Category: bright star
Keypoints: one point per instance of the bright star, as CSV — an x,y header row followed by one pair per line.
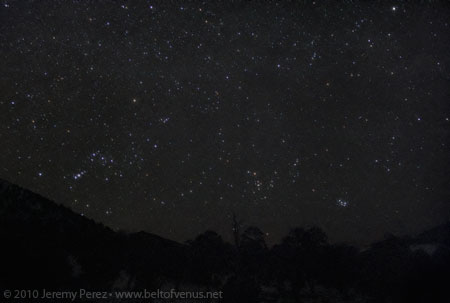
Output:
x,y
342,202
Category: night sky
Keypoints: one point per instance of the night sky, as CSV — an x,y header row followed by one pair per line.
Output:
x,y
168,116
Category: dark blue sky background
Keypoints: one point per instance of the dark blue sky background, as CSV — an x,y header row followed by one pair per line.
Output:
x,y
166,117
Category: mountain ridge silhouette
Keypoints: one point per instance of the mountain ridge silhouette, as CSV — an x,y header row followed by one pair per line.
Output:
x,y
40,235
47,245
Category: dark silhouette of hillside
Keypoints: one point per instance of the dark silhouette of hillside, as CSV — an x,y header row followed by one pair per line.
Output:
x,y
45,245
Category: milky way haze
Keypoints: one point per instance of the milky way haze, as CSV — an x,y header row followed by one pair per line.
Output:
x,y
167,117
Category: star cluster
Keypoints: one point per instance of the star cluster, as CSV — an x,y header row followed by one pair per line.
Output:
x,y
169,116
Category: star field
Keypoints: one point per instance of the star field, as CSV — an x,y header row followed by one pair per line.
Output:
x,y
168,117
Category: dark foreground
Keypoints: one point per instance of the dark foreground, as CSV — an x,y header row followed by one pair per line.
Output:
x,y
47,248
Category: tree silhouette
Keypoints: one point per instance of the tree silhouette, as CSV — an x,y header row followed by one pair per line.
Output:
x,y
236,228
210,259
303,252
49,246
